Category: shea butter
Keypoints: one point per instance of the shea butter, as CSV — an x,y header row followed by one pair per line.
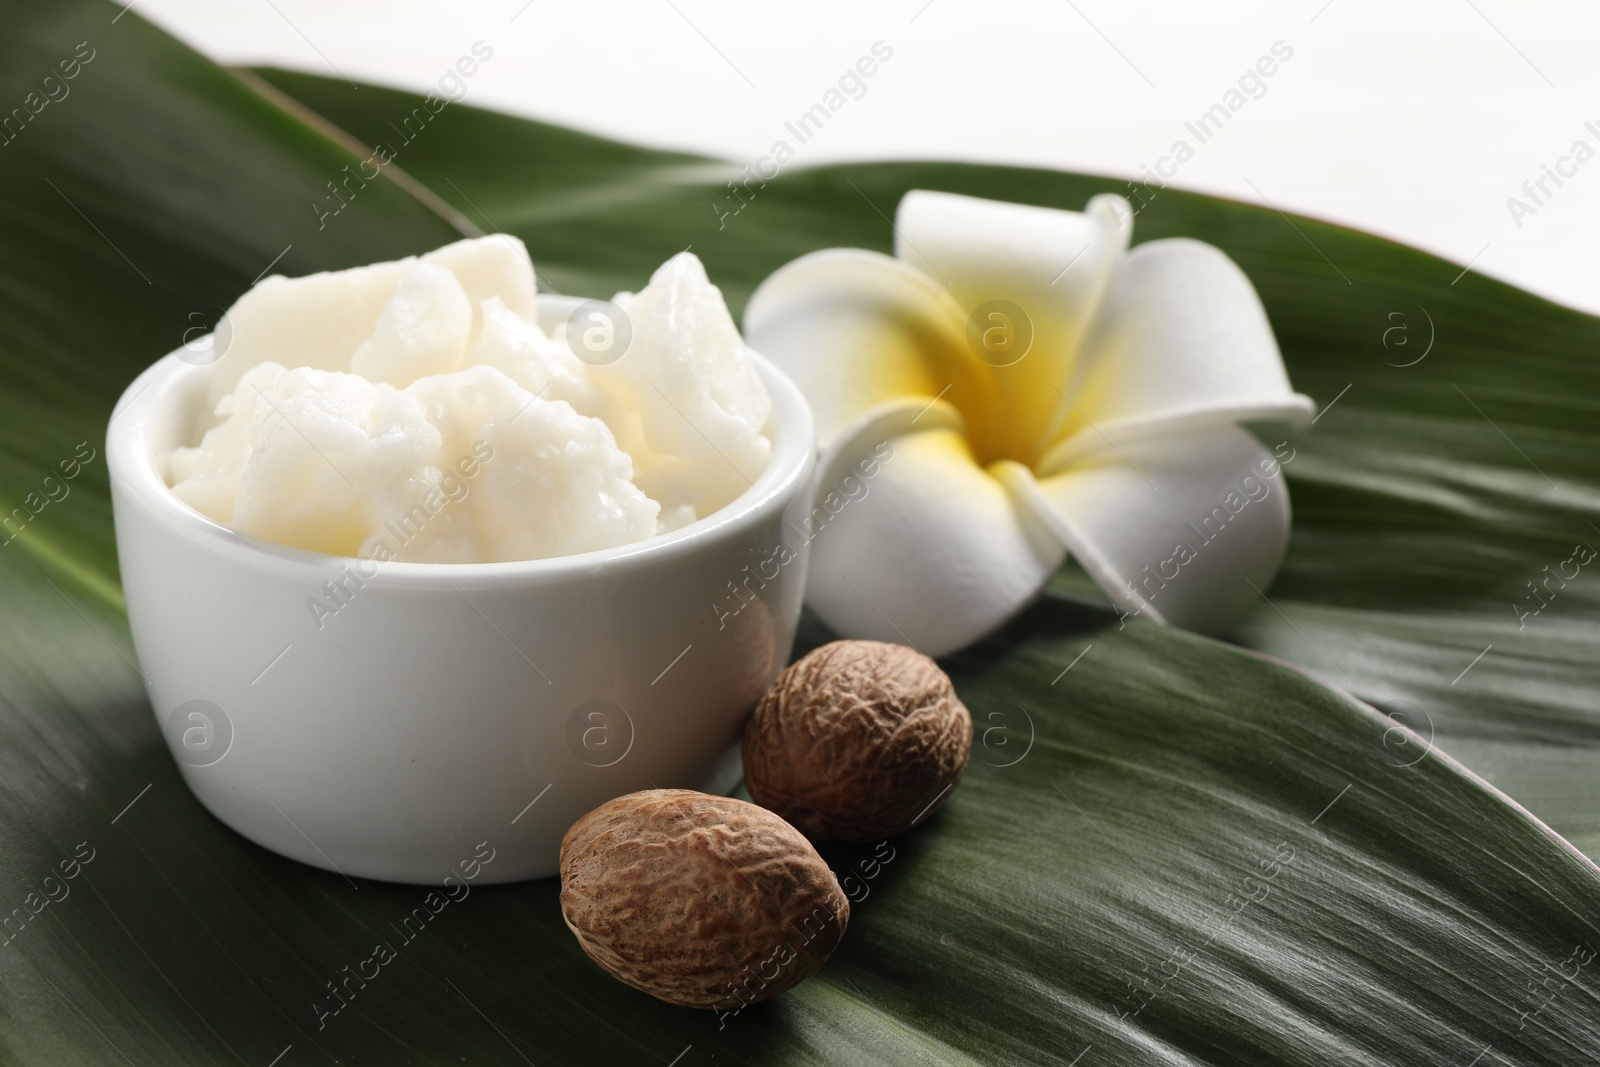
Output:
x,y
415,410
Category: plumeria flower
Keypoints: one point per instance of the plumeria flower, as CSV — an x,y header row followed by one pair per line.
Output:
x,y
1015,385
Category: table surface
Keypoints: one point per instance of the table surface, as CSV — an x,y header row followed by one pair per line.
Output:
x,y
1420,121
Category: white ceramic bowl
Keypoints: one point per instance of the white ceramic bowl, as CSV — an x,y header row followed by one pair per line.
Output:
x,y
447,705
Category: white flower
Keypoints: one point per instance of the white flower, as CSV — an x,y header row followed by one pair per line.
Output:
x,y
1045,391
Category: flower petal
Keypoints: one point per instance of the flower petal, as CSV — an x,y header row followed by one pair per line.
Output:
x,y
1185,528
913,542
856,329
997,257
1181,340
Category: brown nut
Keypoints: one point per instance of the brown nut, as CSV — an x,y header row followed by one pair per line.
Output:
x,y
857,741
699,900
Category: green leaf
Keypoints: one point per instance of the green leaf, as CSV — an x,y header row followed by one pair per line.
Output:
x,y
1167,850
1425,501
135,209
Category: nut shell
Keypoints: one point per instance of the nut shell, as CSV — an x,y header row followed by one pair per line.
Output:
x,y
857,741
699,900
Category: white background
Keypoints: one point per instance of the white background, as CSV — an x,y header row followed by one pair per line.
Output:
x,y
1416,119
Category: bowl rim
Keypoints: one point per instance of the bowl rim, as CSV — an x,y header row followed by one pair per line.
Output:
x,y
133,467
